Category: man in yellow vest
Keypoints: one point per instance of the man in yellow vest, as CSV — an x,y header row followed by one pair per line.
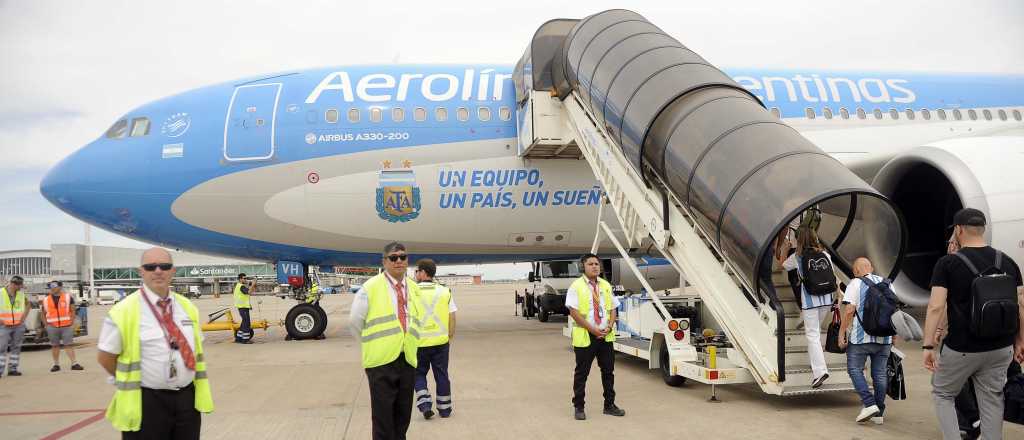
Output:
x,y
242,290
437,329
152,348
59,309
385,316
594,310
13,309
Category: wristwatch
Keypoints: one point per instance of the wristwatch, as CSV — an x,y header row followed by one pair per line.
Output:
x,y
927,347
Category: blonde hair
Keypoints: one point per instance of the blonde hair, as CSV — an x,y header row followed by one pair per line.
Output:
x,y
807,238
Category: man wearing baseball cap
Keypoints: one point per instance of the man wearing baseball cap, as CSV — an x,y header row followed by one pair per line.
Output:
x,y
59,308
966,283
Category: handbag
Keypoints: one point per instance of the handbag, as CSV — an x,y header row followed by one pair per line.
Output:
x,y
897,389
832,338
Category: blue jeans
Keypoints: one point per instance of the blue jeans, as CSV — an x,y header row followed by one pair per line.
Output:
x,y
856,356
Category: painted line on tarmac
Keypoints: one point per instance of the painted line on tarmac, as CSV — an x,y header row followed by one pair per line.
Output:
x,y
43,413
77,426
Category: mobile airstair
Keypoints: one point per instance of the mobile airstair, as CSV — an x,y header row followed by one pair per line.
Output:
x,y
694,166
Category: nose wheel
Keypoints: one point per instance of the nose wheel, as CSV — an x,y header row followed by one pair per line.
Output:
x,y
306,321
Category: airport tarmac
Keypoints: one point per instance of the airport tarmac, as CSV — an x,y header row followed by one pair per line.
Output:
x,y
512,378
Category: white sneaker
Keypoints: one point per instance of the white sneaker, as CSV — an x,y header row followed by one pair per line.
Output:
x,y
867,413
877,420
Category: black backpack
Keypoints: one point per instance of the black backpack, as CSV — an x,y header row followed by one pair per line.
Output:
x,y
993,301
816,269
879,305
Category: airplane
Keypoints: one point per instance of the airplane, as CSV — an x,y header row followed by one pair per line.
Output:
x,y
324,166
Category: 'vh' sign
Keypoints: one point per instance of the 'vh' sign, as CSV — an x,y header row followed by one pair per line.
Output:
x,y
286,269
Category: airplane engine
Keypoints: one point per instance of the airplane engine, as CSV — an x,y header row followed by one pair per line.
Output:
x,y
930,183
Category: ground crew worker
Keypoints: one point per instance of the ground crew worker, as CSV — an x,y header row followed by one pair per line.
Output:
x,y
13,310
438,327
242,288
152,347
314,289
385,316
59,308
593,307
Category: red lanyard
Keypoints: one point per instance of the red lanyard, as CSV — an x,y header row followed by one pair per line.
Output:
x,y
160,319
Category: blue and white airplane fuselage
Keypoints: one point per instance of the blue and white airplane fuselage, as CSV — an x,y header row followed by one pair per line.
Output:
x,y
325,166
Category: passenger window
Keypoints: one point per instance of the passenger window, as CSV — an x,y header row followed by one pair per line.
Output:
x,y
861,114
844,113
878,113
504,113
926,114
972,114
942,113
376,115
958,115
441,114
331,116
353,115
1016,115
398,114
140,127
988,114
1002,115
462,113
775,112
419,114
809,112
483,113
910,114
827,112
894,114
118,130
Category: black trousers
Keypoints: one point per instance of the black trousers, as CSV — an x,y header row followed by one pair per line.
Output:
x,y
391,388
246,327
605,355
167,415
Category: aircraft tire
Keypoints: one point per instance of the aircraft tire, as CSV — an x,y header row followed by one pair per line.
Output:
x,y
303,321
322,327
543,315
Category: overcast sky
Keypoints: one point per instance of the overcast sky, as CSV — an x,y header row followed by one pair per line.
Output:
x,y
69,69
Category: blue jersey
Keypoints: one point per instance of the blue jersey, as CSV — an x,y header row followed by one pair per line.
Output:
x,y
856,294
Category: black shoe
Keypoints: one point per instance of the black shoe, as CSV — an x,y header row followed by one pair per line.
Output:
x,y
580,415
614,411
428,414
55,368
820,380
77,367
14,373
445,415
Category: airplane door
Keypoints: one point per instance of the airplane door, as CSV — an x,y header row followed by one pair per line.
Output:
x,y
249,126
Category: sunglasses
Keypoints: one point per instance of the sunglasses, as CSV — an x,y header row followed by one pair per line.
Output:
x,y
397,257
17,283
149,267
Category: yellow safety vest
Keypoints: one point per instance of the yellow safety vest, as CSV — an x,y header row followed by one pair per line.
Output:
x,y
10,314
125,410
313,289
241,299
382,338
584,296
434,302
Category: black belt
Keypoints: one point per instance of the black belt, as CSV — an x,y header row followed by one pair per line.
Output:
x,y
156,390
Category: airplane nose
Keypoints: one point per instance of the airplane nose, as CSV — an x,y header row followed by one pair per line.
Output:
x,y
56,184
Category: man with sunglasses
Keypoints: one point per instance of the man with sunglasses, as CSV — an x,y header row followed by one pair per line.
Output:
x,y
152,347
385,316
59,308
13,309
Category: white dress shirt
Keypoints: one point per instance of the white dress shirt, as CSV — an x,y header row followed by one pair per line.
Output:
x,y
572,300
361,305
156,354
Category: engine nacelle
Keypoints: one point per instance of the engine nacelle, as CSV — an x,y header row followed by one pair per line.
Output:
x,y
932,182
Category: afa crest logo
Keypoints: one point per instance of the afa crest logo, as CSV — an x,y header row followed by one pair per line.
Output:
x,y
398,197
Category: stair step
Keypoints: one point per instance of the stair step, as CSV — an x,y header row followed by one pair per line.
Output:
x,y
806,368
803,390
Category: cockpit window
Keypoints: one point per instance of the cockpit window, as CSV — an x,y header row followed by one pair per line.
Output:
x,y
140,127
118,130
